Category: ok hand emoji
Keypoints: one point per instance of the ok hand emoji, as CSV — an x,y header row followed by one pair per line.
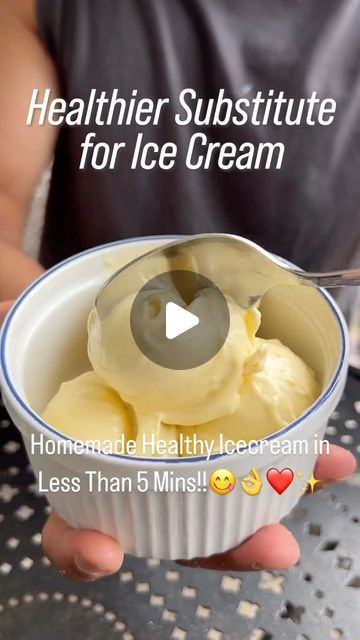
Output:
x,y
252,483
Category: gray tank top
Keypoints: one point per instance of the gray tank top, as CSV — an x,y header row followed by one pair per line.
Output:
x,y
308,211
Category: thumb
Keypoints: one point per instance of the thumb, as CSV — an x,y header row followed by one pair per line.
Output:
x,y
80,554
5,305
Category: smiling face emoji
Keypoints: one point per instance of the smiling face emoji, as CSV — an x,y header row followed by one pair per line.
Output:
x,y
222,481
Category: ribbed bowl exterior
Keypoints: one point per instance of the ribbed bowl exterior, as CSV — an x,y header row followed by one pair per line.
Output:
x,y
172,525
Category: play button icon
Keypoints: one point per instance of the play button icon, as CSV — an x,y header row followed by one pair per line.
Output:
x,y
179,319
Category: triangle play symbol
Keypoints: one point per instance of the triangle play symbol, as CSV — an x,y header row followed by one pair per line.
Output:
x,y
178,320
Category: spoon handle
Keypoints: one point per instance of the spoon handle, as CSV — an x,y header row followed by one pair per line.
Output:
x,y
347,278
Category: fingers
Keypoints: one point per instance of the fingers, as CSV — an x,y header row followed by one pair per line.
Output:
x,y
252,484
256,475
274,546
88,555
253,476
80,554
5,305
338,464
270,547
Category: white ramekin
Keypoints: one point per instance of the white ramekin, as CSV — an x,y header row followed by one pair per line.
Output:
x,y
43,342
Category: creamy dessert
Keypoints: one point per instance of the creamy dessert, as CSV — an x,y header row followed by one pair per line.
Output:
x,y
251,388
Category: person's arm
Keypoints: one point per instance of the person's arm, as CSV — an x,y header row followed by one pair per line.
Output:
x,y
25,151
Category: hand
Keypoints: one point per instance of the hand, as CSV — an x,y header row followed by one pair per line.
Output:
x,y
88,555
4,308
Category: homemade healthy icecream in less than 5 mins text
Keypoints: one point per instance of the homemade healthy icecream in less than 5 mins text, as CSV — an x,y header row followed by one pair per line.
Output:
x,y
250,389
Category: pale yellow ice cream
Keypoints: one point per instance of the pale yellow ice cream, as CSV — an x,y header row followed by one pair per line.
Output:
x,y
276,388
186,397
87,409
250,389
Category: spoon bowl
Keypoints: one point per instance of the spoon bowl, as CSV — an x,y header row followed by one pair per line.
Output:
x,y
240,268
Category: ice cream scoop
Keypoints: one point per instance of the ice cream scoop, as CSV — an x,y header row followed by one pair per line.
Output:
x,y
251,388
180,397
85,408
276,387
238,266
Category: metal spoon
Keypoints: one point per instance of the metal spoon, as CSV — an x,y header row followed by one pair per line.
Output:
x,y
239,267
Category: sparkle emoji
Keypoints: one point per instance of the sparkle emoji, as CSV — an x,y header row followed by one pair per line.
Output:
x,y
312,482
252,484
222,481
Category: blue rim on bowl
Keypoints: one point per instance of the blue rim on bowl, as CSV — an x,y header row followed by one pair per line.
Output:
x,y
28,412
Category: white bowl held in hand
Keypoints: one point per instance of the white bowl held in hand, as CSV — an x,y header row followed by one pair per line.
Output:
x,y
44,342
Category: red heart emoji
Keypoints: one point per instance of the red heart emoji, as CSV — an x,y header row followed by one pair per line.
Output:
x,y
280,480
